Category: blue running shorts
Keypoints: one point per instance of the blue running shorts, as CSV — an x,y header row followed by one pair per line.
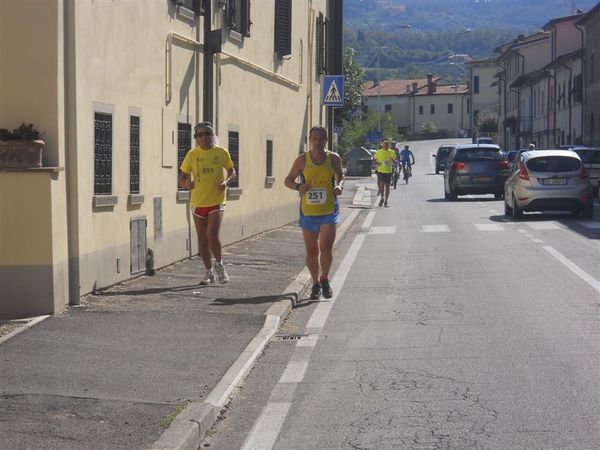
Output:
x,y
313,223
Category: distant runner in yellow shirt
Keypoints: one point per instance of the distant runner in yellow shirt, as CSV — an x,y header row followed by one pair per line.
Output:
x,y
206,172
321,183
385,158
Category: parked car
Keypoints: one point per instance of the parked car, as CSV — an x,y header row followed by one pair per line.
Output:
x,y
441,157
590,157
475,169
548,180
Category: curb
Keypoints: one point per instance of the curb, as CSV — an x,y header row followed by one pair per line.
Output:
x,y
189,428
28,325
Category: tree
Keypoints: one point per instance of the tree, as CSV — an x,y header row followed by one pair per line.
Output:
x,y
428,128
353,86
487,121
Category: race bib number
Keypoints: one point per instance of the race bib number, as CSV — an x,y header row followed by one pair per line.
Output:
x,y
316,196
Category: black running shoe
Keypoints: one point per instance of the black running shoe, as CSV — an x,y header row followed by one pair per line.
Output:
x,y
327,292
315,293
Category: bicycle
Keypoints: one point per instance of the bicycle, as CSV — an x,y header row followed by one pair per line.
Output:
x,y
406,171
395,175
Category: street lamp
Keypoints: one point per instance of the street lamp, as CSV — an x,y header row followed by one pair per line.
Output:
x,y
378,49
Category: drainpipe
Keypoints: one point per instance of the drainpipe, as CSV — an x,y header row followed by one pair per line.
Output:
x,y
583,81
570,103
207,104
553,112
70,128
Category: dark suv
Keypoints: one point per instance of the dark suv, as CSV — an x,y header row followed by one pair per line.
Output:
x,y
475,169
441,157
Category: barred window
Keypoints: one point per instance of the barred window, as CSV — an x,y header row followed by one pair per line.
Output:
x,y
184,143
234,151
134,155
269,158
102,153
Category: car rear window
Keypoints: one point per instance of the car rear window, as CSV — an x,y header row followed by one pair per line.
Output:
x,y
553,164
477,154
444,151
511,156
589,156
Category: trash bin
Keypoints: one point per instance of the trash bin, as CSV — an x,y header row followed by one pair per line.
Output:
x,y
364,166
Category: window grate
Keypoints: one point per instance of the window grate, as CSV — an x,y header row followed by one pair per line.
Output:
x,y
234,151
102,153
269,158
184,143
134,155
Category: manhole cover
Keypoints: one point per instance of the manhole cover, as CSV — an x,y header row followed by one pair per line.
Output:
x,y
289,337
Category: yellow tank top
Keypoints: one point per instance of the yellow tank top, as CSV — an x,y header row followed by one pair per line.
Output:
x,y
320,199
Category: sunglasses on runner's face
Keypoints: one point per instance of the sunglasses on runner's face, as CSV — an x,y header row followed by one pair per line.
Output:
x,y
203,133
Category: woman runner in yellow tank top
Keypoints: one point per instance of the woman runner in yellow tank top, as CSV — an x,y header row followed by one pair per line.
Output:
x,y
321,182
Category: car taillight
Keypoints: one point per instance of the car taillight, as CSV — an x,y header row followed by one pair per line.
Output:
x,y
523,174
504,165
458,165
584,173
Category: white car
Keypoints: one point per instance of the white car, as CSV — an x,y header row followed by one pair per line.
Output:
x,y
548,180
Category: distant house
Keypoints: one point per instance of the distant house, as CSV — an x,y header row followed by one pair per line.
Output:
x,y
411,103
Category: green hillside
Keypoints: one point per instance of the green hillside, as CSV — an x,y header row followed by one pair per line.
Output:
x,y
437,31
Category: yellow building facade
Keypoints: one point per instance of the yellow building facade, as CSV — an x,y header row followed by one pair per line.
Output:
x,y
116,88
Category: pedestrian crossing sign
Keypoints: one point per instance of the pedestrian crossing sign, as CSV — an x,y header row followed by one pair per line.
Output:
x,y
333,90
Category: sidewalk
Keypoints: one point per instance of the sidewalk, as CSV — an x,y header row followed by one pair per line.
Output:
x,y
116,371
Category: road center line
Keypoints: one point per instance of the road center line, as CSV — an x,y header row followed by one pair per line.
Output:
x,y
574,268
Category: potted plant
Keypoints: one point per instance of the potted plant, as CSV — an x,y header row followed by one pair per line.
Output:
x,y
21,147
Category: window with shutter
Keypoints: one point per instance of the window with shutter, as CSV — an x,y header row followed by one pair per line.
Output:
x,y
237,15
320,45
283,28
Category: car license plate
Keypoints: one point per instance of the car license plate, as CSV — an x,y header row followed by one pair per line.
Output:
x,y
554,181
482,179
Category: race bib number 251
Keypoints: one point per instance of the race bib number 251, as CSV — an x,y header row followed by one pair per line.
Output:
x,y
316,196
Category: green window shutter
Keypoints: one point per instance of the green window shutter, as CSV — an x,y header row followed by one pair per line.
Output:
x,y
283,28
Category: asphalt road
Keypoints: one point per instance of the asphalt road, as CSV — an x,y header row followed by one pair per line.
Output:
x,y
452,326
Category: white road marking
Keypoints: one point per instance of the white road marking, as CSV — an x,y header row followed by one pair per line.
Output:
x,y
382,230
368,220
310,341
538,241
544,225
319,316
435,229
521,231
489,227
591,225
266,429
574,268
294,372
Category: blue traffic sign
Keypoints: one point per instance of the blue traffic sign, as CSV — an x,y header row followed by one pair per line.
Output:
x,y
333,90
374,137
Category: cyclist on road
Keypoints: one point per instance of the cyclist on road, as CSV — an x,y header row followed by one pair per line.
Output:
x,y
385,158
406,156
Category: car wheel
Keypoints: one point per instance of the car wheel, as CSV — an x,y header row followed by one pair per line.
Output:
x,y
446,195
517,212
507,209
498,196
453,195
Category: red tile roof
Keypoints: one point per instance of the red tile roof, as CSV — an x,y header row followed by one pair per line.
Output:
x,y
393,87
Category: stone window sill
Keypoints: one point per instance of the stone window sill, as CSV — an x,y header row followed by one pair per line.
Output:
x,y
135,199
104,201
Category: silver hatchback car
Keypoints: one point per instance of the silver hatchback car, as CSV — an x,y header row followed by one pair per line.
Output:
x,y
548,180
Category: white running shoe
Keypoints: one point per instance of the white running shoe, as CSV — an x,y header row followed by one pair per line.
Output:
x,y
221,274
209,278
